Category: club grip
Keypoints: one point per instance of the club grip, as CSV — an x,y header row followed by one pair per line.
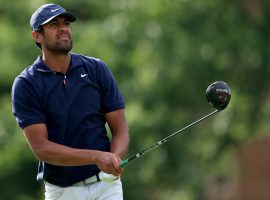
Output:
x,y
124,163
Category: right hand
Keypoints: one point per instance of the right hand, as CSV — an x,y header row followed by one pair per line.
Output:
x,y
109,163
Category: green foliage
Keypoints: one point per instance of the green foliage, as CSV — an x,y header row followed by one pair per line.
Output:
x,y
164,54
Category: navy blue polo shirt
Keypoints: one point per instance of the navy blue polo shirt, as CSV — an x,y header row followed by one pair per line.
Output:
x,y
72,106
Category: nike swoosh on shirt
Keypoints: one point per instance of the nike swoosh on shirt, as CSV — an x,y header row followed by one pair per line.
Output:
x,y
83,75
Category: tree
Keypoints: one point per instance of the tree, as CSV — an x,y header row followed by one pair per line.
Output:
x,y
163,54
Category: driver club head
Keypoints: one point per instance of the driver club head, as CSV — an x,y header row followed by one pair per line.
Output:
x,y
218,94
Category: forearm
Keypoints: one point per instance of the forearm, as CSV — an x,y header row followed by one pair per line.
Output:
x,y
119,130
120,144
54,153
58,154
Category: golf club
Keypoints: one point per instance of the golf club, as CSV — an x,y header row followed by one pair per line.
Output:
x,y
218,95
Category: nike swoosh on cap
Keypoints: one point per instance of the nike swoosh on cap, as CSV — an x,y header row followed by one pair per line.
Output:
x,y
54,10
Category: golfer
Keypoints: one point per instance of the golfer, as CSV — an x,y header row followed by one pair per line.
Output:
x,y
62,103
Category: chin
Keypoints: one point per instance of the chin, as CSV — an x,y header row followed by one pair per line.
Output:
x,y
62,49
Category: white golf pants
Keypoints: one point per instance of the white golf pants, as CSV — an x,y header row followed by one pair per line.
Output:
x,y
95,191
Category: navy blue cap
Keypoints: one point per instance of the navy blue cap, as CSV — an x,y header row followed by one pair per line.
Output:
x,y
46,13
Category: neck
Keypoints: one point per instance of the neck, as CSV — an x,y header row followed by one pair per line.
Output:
x,y
57,62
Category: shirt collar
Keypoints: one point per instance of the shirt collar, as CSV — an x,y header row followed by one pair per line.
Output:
x,y
42,67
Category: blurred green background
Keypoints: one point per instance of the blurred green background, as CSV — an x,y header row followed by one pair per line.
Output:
x,y
163,54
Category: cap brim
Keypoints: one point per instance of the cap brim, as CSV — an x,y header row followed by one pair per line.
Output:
x,y
70,17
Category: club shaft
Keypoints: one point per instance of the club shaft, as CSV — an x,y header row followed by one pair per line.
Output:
x,y
145,151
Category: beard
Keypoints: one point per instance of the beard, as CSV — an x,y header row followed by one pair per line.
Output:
x,y
59,46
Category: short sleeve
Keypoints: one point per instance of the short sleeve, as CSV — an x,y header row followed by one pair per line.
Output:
x,y
111,97
26,106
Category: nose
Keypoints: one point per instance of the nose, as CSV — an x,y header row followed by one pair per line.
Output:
x,y
64,27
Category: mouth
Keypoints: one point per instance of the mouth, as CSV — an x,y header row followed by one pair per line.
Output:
x,y
64,37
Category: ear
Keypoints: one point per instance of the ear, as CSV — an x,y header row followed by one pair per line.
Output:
x,y
36,36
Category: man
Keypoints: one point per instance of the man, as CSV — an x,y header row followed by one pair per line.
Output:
x,y
62,103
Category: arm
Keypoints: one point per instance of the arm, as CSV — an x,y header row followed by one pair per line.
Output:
x,y
120,139
57,154
119,128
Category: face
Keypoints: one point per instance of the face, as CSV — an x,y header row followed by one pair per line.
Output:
x,y
56,36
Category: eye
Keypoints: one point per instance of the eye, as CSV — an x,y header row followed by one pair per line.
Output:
x,y
53,24
67,24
